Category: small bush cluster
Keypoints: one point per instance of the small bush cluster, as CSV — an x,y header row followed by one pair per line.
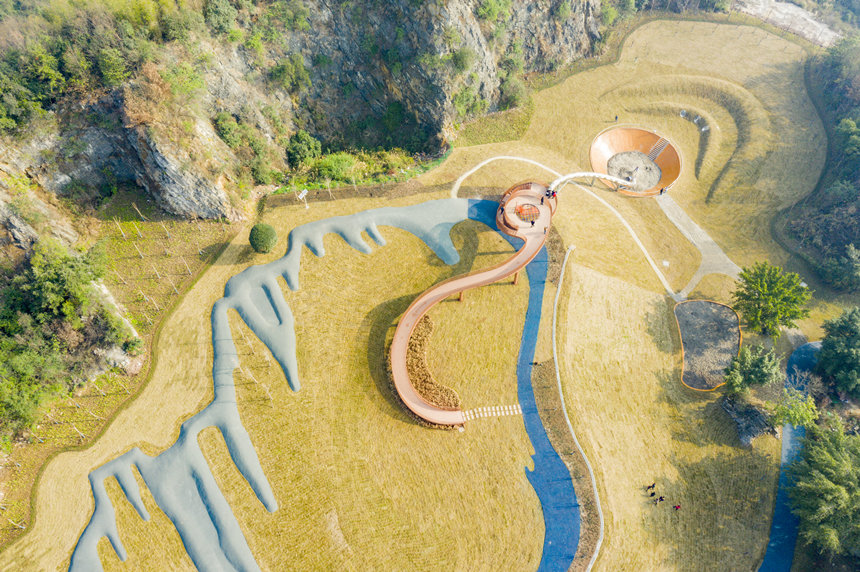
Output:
x,y
255,155
263,237
290,74
50,322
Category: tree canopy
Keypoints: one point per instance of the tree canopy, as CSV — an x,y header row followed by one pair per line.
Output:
x,y
839,358
768,298
302,147
794,408
753,366
826,491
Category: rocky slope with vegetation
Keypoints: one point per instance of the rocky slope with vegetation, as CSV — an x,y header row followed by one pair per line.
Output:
x,y
199,103
101,93
825,227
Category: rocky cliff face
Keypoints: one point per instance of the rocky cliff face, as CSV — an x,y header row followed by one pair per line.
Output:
x,y
381,73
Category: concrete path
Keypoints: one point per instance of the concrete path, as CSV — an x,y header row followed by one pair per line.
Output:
x,y
533,235
714,260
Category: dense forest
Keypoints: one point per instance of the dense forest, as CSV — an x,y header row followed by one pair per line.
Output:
x,y
827,224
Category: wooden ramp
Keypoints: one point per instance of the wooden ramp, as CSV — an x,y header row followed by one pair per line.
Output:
x,y
511,218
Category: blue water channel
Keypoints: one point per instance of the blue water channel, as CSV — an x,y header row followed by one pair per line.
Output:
x,y
783,529
179,478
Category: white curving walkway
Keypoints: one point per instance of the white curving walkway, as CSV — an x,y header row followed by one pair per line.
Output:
x,y
714,260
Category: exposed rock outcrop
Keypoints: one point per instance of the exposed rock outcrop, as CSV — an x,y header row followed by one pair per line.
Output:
x,y
380,74
750,421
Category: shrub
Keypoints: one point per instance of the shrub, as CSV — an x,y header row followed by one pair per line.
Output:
x,y
513,92
261,171
467,102
336,166
291,74
302,147
752,366
263,237
183,79
220,15
563,10
463,59
608,14
493,10
228,129
112,67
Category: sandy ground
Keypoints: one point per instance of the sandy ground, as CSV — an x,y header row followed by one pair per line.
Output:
x,y
792,18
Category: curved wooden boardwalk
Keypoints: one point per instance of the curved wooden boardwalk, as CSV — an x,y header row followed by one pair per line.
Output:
x,y
533,236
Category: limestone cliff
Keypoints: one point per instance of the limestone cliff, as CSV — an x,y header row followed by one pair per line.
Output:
x,y
399,72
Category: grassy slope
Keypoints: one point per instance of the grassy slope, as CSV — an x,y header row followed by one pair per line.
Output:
x,y
347,465
685,429
620,369
758,111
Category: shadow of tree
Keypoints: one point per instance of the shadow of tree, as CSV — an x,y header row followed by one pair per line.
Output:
x,y
660,325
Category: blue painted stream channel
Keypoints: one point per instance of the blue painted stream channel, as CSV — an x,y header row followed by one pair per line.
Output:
x,y
179,478
783,529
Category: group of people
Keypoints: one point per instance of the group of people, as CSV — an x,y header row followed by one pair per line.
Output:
x,y
657,500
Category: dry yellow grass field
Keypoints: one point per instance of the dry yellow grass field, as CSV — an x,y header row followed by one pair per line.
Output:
x,y
361,486
764,149
620,367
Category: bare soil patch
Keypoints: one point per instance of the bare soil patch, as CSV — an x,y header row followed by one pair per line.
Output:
x,y
711,337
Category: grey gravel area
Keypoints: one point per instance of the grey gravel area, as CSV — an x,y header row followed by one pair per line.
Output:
x,y
637,166
711,337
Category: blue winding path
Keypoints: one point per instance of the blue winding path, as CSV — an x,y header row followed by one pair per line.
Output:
x,y
550,477
783,530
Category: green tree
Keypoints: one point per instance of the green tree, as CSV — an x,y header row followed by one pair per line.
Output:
x,y
753,366
112,67
58,284
768,298
41,69
302,147
220,15
839,358
795,408
826,491
263,237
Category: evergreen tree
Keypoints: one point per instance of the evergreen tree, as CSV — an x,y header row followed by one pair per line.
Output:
x,y
752,366
839,358
768,298
826,491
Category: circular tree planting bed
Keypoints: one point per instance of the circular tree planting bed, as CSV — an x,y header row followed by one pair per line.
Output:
x,y
710,338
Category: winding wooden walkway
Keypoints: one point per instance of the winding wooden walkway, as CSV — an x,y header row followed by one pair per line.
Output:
x,y
507,220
